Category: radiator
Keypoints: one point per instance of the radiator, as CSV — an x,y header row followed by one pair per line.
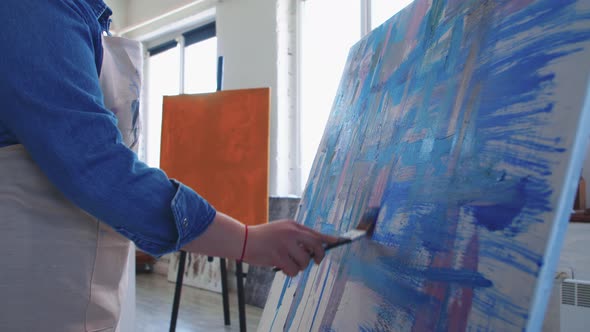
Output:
x,y
575,306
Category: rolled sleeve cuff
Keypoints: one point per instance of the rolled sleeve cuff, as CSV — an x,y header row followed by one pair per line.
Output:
x,y
192,216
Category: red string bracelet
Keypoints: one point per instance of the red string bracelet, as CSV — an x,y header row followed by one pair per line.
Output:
x,y
244,247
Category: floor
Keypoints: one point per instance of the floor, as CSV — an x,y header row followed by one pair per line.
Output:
x,y
200,310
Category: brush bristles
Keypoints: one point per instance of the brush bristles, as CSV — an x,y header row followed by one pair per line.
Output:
x,y
369,220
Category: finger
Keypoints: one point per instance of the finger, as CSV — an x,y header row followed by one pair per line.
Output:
x,y
290,267
314,247
300,255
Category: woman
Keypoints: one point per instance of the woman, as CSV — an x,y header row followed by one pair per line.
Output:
x,y
64,166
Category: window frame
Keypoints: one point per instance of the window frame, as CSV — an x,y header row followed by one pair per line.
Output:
x,y
197,33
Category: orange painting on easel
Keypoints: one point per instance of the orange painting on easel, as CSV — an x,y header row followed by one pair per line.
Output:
x,y
218,144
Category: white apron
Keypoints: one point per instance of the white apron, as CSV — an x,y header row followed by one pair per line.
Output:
x,y
60,268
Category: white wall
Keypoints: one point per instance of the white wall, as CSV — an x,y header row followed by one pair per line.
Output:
x,y
574,262
247,34
177,11
142,10
574,253
119,17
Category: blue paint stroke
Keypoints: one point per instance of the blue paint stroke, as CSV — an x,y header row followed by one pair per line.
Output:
x,y
320,298
280,303
499,213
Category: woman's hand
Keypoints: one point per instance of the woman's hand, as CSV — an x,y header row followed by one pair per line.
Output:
x,y
285,244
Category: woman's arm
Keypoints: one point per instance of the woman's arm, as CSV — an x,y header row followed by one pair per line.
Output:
x,y
51,102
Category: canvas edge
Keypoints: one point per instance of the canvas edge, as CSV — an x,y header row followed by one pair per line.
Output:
x,y
556,237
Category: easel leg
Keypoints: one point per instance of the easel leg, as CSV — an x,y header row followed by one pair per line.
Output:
x,y
224,291
177,291
241,297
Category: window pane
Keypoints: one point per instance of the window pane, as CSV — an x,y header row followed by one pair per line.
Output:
x,y
163,80
326,40
382,10
200,68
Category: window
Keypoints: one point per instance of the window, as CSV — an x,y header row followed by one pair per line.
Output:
x,y
200,68
327,39
328,29
382,10
186,64
163,79
200,60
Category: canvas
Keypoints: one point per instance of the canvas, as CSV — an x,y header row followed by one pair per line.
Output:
x,y
259,278
218,144
199,272
465,123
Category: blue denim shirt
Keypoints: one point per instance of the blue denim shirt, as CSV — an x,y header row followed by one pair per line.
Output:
x,y
51,102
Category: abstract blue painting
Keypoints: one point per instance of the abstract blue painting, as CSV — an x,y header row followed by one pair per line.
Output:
x,y
466,123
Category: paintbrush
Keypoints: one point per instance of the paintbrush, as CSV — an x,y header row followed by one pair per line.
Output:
x,y
365,228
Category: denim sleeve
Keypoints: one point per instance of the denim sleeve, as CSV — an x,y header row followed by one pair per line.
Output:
x,y
50,100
